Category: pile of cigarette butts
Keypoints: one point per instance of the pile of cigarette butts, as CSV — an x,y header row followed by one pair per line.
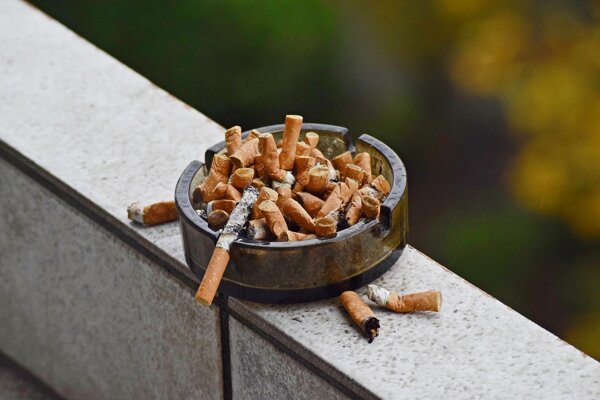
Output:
x,y
287,191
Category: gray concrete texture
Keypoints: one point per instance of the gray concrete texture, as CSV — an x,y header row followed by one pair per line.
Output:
x,y
88,315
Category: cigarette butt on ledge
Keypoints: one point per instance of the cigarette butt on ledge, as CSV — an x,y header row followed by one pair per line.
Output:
x,y
430,300
157,213
361,314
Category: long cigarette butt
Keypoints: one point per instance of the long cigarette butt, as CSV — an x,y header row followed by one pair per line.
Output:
x,y
274,217
361,314
157,213
333,202
370,207
217,219
312,139
270,157
265,193
242,177
354,172
318,179
258,230
291,132
340,162
233,139
325,226
245,154
363,160
430,300
213,275
312,204
294,211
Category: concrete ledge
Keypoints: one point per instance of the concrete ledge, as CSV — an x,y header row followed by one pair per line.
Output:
x,y
81,137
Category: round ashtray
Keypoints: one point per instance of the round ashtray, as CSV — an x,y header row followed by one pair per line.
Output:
x,y
290,272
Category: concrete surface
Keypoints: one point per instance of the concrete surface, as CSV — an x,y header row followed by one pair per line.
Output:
x,y
17,384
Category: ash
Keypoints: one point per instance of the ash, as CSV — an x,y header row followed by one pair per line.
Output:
x,y
240,214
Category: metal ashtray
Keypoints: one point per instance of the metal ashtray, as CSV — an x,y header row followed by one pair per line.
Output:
x,y
289,272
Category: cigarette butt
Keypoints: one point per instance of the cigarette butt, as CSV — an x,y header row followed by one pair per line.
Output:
x,y
265,193
245,154
318,178
312,204
302,167
354,172
314,152
381,184
254,133
217,219
291,132
355,210
291,236
224,204
312,139
233,139
270,157
284,192
258,230
197,193
361,314
333,174
157,213
213,275
232,193
348,188
430,300
363,160
325,226
274,217
302,149
258,183
219,172
295,212
333,203
340,162
242,177
370,207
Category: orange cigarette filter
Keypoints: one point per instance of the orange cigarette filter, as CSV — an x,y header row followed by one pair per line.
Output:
x,y
316,153
354,172
363,160
224,204
157,213
381,184
274,217
333,202
370,207
217,219
258,183
340,161
254,133
233,139
291,236
270,157
213,275
430,300
242,177
318,178
302,149
245,154
302,166
325,226
219,172
361,314
312,204
294,211
355,210
265,193
291,132
311,139
232,193
349,187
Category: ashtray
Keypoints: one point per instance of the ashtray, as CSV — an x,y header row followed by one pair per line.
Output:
x,y
290,272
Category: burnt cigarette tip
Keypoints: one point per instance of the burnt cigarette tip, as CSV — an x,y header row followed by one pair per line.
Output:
x,y
372,328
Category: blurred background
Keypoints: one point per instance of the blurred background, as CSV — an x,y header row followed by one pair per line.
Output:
x,y
494,106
